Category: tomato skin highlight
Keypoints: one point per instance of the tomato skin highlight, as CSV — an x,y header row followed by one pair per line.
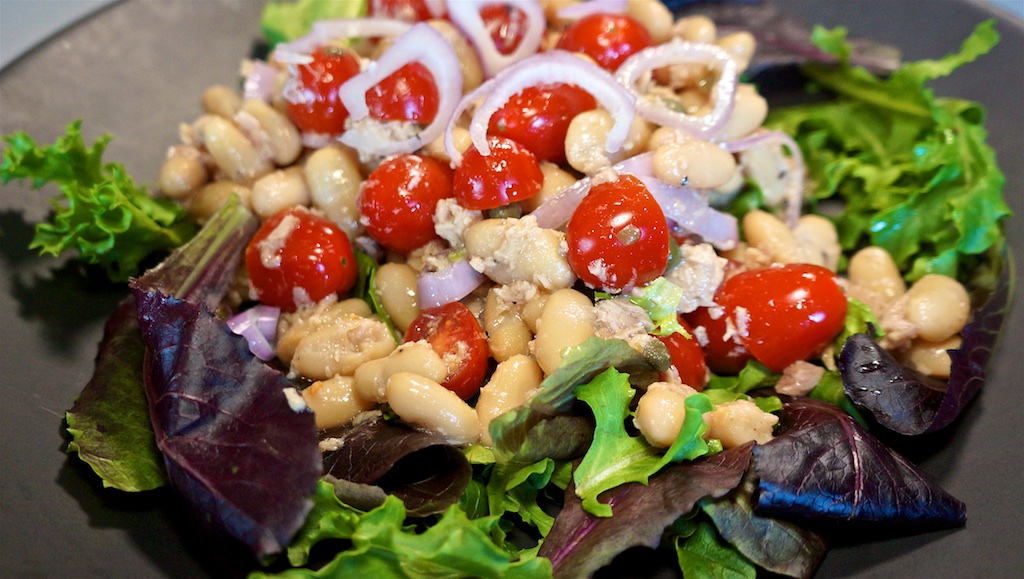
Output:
x,y
455,334
510,173
784,314
317,85
607,38
618,236
723,356
506,25
398,199
539,117
315,256
408,94
687,356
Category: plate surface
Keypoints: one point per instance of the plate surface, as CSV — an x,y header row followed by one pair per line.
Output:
x,y
137,69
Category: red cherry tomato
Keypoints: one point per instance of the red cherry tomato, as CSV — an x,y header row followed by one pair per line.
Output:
x,y
506,25
723,352
607,38
784,314
407,10
618,236
509,173
539,118
398,200
297,254
687,357
409,94
318,109
455,334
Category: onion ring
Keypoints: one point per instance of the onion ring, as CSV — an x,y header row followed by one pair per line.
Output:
x,y
465,15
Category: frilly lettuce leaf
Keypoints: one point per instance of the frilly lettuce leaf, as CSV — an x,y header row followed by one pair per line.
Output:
x,y
103,214
615,457
284,21
704,554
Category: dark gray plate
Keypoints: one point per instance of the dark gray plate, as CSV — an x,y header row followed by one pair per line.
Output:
x,y
137,69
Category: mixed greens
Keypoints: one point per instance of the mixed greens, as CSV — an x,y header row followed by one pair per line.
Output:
x,y
177,399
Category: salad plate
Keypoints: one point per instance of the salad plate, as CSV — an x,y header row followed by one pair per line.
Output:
x,y
137,69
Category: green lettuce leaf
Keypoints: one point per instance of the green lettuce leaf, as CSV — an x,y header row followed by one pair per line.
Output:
x,y
615,457
660,299
383,546
704,554
913,170
284,21
103,214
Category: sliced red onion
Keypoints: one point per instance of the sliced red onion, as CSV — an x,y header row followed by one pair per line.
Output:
x,y
556,66
448,285
259,81
258,325
298,51
449,141
556,211
583,9
795,176
465,15
420,44
681,52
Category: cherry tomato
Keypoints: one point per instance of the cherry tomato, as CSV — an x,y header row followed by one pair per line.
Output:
x,y
509,173
784,314
409,94
455,334
618,236
297,254
687,356
607,38
539,117
316,88
506,25
723,352
398,199
407,10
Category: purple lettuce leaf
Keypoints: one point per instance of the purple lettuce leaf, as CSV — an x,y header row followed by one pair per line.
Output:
x,y
423,470
772,544
580,543
783,39
238,443
234,447
826,471
910,403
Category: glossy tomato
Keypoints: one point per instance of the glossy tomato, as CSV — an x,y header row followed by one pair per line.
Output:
x,y
687,356
723,352
783,314
455,334
607,38
297,257
313,104
618,236
408,94
407,10
539,117
506,24
398,199
508,174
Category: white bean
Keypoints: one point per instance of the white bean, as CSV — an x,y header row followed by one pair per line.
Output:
x,y
694,163
939,306
509,250
748,114
182,175
567,320
654,16
741,45
874,269
739,422
341,347
555,180
397,290
221,101
293,327
425,404
334,401
509,387
284,136
469,63
507,333
696,29
212,197
371,379
660,412
333,178
930,358
279,190
587,135
232,151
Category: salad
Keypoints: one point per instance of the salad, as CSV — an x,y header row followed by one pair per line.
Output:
x,y
530,451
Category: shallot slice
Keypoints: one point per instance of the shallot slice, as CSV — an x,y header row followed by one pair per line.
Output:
x,y
795,176
298,51
259,80
636,67
420,44
465,14
258,325
556,66
437,288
